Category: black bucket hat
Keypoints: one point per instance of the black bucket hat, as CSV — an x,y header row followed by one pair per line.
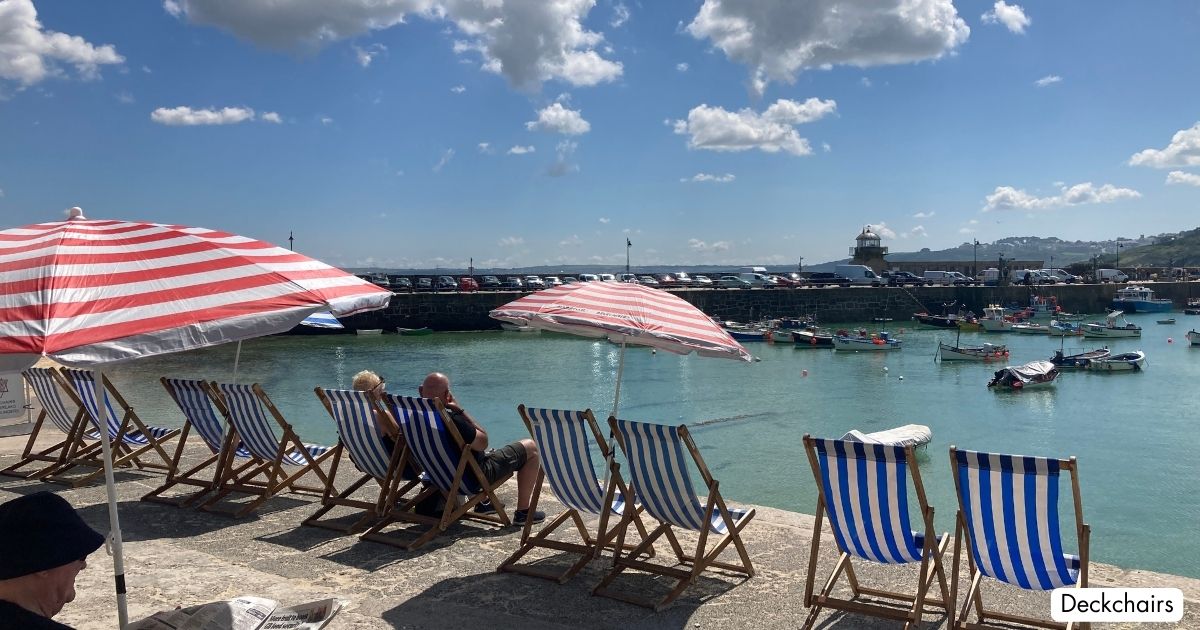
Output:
x,y
42,531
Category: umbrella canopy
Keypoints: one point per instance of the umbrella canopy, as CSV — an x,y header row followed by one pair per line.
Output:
x,y
87,292
624,312
324,319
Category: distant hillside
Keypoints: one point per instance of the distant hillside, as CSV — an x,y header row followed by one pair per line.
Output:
x,y
1030,248
1177,250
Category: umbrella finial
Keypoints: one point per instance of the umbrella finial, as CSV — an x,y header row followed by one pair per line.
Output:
x,y
75,212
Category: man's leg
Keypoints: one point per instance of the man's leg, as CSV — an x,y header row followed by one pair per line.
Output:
x,y
527,474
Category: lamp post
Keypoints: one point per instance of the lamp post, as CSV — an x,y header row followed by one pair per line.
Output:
x,y
800,265
628,244
975,259
1120,246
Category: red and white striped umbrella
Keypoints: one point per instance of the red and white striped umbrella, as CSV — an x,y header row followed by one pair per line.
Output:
x,y
88,292
624,312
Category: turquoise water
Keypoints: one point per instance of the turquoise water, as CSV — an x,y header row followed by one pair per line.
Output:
x,y
1134,433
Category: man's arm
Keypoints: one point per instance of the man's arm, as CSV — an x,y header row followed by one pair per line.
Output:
x,y
480,443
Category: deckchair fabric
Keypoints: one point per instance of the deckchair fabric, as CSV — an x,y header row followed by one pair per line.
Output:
x,y
253,425
50,397
354,414
84,382
1011,509
866,486
193,401
425,431
658,469
76,431
562,439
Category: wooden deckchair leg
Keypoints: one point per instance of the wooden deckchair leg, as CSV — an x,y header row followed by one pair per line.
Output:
x,y
817,605
814,548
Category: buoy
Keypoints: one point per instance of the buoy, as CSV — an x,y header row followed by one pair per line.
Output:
x,y
1170,340
902,378
885,368
757,359
804,373
653,350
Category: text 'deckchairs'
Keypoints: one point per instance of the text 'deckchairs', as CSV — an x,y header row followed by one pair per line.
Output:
x,y
864,490
1008,520
660,481
565,448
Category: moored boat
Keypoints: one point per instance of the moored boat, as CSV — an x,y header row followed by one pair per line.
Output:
x,y
1169,320
1124,362
986,352
1065,329
937,321
994,319
812,338
369,331
1139,299
743,333
1077,360
1030,329
1030,375
970,325
1112,328
862,342
1193,337
415,332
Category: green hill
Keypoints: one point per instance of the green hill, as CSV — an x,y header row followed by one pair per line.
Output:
x,y
1178,250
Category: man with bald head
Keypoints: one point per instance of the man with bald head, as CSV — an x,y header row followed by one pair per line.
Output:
x,y
520,458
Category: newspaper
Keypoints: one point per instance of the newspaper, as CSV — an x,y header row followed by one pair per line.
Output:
x,y
243,613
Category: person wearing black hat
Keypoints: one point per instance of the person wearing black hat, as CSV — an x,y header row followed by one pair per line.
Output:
x,y
43,546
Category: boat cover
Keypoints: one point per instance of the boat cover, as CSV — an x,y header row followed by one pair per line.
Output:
x,y
914,434
1032,369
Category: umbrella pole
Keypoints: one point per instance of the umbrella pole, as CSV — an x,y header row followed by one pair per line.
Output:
x,y
237,357
113,520
608,464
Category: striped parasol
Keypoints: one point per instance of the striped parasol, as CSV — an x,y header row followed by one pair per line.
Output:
x,y
87,292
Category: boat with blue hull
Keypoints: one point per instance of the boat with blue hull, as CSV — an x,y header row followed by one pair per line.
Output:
x,y
1139,299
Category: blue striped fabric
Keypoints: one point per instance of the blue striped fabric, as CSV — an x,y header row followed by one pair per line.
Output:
x,y
866,496
658,468
430,444
197,408
84,382
354,416
562,440
1010,504
251,421
42,381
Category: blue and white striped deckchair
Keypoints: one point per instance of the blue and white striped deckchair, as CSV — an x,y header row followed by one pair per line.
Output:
x,y
49,388
353,414
192,398
452,470
864,489
659,479
1008,517
132,439
250,413
566,456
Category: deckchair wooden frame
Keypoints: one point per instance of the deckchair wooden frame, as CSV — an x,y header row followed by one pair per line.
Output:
x,y
123,453
591,547
64,447
244,479
699,561
974,598
932,565
191,477
390,487
452,512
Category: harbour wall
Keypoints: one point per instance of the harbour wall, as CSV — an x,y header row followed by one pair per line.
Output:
x,y
469,311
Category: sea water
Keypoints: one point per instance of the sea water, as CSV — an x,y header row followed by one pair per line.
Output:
x,y
1135,434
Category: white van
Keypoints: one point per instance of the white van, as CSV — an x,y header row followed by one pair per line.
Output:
x,y
588,277
859,274
946,277
757,280
989,277
1036,276
1111,275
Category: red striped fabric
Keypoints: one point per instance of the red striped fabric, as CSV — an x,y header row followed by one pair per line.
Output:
x,y
639,314
88,292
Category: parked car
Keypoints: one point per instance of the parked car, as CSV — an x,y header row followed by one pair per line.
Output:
x,y
648,281
607,277
490,283
424,284
552,281
446,283
569,280
400,283
534,283
788,280
589,277
682,279
666,281
1064,276
468,284
702,281
514,282
827,279
627,277
902,278
733,282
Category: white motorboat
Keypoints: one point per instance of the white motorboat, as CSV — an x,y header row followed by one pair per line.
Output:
x,y
369,331
1078,359
986,352
995,320
1193,337
1060,328
1114,326
1031,329
1124,362
866,343
914,435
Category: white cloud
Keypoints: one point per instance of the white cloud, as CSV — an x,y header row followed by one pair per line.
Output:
x,y
777,39
125,97
918,230
620,15
966,230
605,220
447,155
29,54
973,222
458,89
825,147
559,119
705,177
1012,16
511,241
486,148
1049,79
1180,177
682,66
521,150
717,129
1184,150
882,230
271,117
186,116
865,82
1009,198
1,192
571,241
700,246
924,215
366,55
527,42
172,7
326,120
562,159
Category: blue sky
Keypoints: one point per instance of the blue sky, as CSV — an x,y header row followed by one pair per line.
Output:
x,y
419,133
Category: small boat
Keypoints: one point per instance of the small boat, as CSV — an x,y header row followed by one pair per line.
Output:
x,y
1193,337
1078,360
1191,311
1124,362
914,435
937,321
812,338
1040,309
994,319
369,331
970,325
866,343
1064,329
781,334
881,320
1138,299
1030,329
1030,375
1111,328
415,332
741,332
516,328
1169,320
986,352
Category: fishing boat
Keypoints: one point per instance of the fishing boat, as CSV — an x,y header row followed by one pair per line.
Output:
x,y
415,332
517,328
1030,375
995,320
1077,360
369,331
1030,328
1138,299
1040,309
1169,320
1193,337
986,352
743,333
862,342
937,321
812,338
1111,328
1064,329
1124,362
1191,311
